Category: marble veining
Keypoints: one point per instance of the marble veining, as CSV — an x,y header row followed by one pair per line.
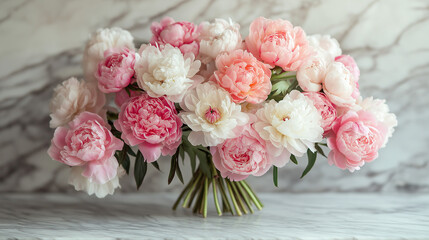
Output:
x,y
285,216
42,43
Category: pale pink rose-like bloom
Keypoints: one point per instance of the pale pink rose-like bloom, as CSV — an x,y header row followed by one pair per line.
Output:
x,y
116,70
245,155
122,96
311,74
355,139
152,124
87,142
325,46
325,108
73,97
339,85
350,64
183,35
278,43
243,76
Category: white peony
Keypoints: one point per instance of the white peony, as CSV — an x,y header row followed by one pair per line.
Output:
x,y
211,114
218,36
165,71
102,40
311,75
82,183
73,97
325,45
292,125
339,85
380,109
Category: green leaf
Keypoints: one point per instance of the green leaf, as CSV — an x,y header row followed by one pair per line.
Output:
x,y
140,169
275,176
173,167
130,151
156,165
179,172
182,153
293,159
204,165
311,160
319,150
126,164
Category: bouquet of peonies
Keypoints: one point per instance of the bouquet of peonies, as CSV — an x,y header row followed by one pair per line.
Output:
x,y
233,107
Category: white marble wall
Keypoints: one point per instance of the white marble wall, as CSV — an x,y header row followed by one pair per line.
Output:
x,y
41,44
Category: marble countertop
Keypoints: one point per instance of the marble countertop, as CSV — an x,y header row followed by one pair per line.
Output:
x,y
149,216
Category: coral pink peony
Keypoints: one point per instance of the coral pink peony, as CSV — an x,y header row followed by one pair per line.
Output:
x,y
245,155
116,70
355,139
278,43
350,64
243,76
152,124
87,142
183,35
325,108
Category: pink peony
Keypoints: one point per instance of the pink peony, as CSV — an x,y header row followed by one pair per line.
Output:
x,y
339,86
122,96
243,76
116,70
325,108
182,35
278,43
355,139
152,124
350,64
245,155
87,142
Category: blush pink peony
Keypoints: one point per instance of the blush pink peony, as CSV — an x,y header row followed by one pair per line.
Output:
x,y
243,76
87,142
355,139
116,70
183,35
122,96
350,64
339,86
245,155
325,108
278,43
152,124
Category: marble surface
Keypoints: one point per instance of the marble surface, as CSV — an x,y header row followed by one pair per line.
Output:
x,y
285,216
42,42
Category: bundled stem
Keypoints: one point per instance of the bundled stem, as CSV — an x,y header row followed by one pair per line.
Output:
x,y
238,193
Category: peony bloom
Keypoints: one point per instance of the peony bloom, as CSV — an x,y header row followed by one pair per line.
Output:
x,y
217,37
73,97
278,43
380,110
100,41
350,64
211,114
122,96
325,108
245,155
293,124
183,35
325,45
166,72
116,71
88,143
243,76
82,183
339,85
311,74
355,139
151,124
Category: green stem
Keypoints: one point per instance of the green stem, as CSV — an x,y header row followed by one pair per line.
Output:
x,y
239,200
206,192
192,192
255,200
234,202
188,186
216,201
244,196
199,200
281,76
224,196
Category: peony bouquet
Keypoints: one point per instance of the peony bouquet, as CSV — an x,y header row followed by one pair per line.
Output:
x,y
233,107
